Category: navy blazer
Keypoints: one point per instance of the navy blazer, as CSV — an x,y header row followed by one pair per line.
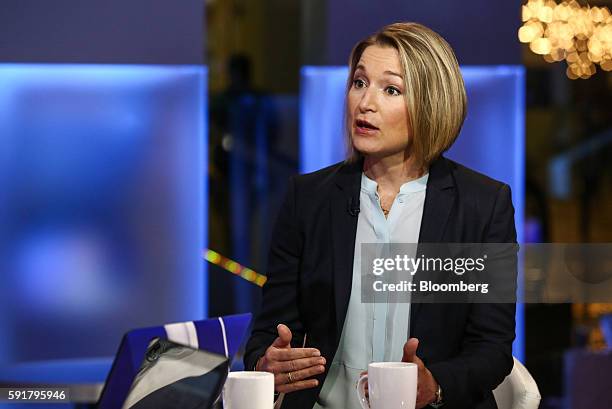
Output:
x,y
467,347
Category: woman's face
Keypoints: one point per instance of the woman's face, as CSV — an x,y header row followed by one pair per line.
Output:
x,y
377,112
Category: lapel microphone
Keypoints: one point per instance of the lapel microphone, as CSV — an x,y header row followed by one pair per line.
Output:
x,y
353,206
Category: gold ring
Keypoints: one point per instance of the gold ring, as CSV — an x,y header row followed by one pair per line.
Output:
x,y
290,377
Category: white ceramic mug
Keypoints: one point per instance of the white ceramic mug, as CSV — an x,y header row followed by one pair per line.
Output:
x,y
391,385
249,390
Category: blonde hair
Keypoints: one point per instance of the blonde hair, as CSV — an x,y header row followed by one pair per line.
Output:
x,y
435,92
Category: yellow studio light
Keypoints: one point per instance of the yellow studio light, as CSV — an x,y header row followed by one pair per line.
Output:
x,y
526,34
540,46
584,58
535,6
537,26
558,54
248,274
566,32
526,13
594,57
572,57
549,58
561,12
576,69
592,69
596,14
215,257
545,14
570,74
606,65
595,47
233,267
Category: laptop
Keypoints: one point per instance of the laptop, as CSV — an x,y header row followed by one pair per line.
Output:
x,y
174,365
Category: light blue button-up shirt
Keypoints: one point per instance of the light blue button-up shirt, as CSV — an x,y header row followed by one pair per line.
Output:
x,y
373,332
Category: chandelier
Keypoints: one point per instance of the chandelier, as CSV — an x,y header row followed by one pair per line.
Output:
x,y
580,35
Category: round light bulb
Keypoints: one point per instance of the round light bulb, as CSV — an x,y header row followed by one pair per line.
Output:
x,y
545,14
606,65
526,13
570,74
540,46
526,34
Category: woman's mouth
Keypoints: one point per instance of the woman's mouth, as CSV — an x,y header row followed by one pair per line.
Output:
x,y
364,127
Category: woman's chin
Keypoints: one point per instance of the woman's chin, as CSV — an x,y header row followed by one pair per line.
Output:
x,y
366,147
370,149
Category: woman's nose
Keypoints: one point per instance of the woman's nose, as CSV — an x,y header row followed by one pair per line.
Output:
x,y
368,100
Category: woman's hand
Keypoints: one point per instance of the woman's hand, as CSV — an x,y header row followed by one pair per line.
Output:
x,y
366,387
426,384
292,367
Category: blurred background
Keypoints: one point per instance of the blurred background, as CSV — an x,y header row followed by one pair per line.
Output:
x,y
146,147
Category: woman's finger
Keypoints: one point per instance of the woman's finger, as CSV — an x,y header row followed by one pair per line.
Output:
x,y
277,354
284,378
296,386
296,364
307,373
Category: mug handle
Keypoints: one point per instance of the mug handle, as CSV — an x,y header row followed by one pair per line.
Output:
x,y
365,404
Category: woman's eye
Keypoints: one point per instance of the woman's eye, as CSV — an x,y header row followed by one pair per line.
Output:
x,y
358,83
392,91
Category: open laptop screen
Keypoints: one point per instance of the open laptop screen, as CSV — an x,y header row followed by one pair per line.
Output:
x,y
173,375
176,365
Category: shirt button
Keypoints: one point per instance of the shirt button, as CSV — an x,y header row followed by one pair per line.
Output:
x,y
400,200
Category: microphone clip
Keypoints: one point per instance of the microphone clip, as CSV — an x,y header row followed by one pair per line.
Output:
x,y
353,206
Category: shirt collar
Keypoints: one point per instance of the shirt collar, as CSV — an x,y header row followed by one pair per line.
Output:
x,y
417,185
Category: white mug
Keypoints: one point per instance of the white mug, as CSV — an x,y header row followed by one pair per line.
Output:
x,y
391,385
249,390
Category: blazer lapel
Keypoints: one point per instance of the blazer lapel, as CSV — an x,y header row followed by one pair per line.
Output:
x,y
439,200
345,195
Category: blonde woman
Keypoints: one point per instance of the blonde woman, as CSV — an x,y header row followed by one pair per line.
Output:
x,y
405,105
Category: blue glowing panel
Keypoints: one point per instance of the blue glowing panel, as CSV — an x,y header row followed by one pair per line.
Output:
x,y
491,141
321,112
102,211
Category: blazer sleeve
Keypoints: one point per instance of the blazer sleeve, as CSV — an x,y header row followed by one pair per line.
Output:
x,y
485,358
280,292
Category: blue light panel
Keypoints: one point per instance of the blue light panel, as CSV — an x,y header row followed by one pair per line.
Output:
x,y
102,212
491,141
